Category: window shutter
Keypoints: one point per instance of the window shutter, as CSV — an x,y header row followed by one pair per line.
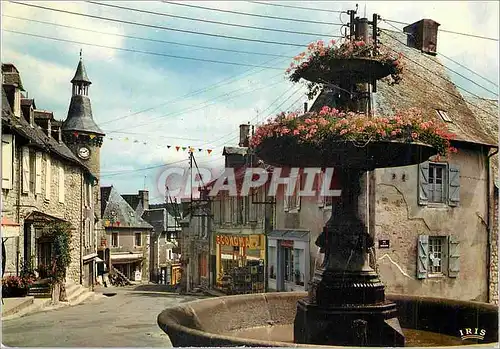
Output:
x,y
61,184
422,256
38,172
423,183
48,177
7,160
285,201
454,185
453,256
26,170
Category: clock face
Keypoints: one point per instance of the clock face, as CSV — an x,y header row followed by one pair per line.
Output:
x,y
84,153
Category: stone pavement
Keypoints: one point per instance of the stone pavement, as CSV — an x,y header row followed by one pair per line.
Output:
x,y
125,319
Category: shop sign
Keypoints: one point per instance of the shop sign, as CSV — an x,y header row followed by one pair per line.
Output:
x,y
232,240
286,243
255,242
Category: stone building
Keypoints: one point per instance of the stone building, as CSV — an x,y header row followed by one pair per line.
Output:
x,y
433,228
43,181
127,235
164,252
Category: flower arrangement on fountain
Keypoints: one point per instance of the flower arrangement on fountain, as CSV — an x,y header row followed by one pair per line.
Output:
x,y
330,124
321,57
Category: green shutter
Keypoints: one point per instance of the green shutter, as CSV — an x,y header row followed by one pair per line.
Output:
x,y
454,185
453,256
422,256
423,183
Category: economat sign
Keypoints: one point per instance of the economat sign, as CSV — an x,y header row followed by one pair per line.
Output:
x,y
230,240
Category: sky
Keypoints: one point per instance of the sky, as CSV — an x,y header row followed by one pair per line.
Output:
x,y
147,101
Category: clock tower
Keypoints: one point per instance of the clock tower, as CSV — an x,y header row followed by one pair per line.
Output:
x,y
80,132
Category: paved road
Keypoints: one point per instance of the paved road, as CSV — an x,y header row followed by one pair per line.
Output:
x,y
127,319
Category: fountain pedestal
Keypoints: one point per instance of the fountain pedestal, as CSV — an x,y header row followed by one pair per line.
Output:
x,y
346,303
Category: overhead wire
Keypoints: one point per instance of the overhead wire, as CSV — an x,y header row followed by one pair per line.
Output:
x,y
295,20
296,7
206,20
115,20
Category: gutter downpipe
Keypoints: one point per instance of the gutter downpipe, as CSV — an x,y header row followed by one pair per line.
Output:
x,y
490,222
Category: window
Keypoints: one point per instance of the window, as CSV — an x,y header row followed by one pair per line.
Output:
x,y
444,115
289,272
138,239
169,254
272,262
437,180
239,210
7,160
48,177
114,239
61,184
437,256
439,183
292,203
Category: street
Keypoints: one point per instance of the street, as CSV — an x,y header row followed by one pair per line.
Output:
x,y
127,319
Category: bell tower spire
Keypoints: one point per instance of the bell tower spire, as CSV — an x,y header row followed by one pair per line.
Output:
x,y
80,81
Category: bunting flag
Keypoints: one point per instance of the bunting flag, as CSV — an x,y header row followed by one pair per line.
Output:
x,y
92,136
188,148
75,134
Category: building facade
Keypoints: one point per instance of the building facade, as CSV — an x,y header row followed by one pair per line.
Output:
x,y
127,236
434,226
43,182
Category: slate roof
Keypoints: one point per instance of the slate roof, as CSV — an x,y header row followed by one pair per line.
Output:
x,y
118,210
36,135
487,108
81,74
425,85
80,116
235,151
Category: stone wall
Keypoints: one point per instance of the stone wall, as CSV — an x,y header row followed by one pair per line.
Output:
x,y
494,252
400,219
18,205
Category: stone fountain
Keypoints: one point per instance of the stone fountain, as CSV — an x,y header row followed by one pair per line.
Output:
x,y
346,304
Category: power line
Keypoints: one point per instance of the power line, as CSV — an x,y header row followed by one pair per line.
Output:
x,y
295,20
442,65
143,52
457,63
207,20
148,39
164,28
204,106
449,31
117,173
230,133
296,7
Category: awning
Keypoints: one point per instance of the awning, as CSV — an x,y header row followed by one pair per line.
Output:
x,y
126,258
89,257
299,235
10,229
41,217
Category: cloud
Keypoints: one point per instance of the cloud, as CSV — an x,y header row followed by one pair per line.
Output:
x,y
158,90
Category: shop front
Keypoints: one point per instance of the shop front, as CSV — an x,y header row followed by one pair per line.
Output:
x,y
288,260
240,263
129,264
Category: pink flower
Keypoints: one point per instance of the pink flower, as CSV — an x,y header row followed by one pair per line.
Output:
x,y
296,132
393,133
343,132
414,135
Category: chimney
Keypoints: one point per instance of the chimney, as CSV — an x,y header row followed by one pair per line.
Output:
x,y
49,128
422,35
244,131
144,198
59,134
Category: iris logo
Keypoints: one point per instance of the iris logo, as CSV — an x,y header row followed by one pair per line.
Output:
x,y
472,333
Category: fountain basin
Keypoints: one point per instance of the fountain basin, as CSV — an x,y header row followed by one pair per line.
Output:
x,y
266,320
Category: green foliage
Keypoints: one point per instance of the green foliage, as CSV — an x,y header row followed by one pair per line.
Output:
x,y
61,238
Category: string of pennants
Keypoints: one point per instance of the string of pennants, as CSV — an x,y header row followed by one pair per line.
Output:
x,y
189,149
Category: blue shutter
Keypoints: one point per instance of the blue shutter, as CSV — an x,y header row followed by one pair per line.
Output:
x,y
423,183
454,185
422,256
